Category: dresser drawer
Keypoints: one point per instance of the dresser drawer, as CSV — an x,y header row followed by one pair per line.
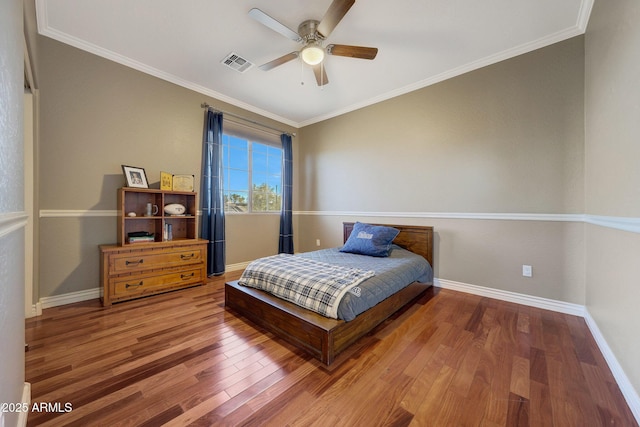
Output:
x,y
140,285
127,262
131,272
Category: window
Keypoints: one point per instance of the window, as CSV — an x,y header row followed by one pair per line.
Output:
x,y
252,173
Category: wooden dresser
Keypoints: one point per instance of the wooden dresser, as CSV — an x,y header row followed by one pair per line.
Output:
x,y
158,261
135,271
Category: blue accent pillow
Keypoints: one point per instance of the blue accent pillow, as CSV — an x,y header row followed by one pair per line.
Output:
x,y
372,240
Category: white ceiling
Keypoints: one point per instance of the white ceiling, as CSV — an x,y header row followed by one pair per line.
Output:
x,y
420,42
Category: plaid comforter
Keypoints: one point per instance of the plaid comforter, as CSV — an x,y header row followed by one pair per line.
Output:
x,y
311,284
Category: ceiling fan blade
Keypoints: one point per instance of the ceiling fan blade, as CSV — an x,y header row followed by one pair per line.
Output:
x,y
276,26
333,16
352,51
321,74
279,61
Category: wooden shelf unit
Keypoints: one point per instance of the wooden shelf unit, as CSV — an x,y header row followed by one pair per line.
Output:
x,y
135,200
130,270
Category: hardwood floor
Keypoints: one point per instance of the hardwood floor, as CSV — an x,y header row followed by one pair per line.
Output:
x,y
451,359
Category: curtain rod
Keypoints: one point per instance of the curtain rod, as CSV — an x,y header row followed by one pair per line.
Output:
x,y
207,106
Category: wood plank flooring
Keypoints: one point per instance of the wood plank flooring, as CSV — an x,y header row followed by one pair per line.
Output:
x,y
451,359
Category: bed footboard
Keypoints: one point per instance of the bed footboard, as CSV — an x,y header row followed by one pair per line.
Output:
x,y
319,336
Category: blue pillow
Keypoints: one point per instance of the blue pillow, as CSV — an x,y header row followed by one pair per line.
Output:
x,y
372,240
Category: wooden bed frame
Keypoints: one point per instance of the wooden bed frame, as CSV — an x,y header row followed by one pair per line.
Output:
x,y
322,337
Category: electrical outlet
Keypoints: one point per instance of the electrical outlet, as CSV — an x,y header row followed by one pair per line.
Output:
x,y
527,271
317,242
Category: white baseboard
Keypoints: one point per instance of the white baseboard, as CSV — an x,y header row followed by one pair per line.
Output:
x,y
26,399
529,300
36,310
236,267
629,393
70,298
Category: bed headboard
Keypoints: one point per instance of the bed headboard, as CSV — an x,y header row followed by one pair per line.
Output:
x,y
415,238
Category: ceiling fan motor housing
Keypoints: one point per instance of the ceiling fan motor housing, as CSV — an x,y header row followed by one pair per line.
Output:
x,y
308,30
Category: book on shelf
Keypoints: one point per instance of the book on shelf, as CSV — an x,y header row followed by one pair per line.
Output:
x,y
137,239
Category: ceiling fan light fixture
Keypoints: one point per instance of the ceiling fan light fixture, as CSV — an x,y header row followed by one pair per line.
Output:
x,y
313,53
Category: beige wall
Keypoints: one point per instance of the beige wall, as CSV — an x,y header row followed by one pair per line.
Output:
x,y
95,116
505,139
13,218
612,175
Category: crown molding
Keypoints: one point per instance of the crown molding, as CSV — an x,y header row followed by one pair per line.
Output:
x,y
471,66
45,29
580,27
584,14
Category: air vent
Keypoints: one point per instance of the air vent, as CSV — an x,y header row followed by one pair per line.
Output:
x,y
236,62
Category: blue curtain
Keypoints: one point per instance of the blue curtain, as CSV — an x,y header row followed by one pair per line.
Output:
x,y
285,244
211,194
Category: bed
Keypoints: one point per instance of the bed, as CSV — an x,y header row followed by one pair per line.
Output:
x,y
323,337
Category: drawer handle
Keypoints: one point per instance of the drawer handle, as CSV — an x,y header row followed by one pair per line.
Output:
x,y
140,261
185,257
187,276
134,285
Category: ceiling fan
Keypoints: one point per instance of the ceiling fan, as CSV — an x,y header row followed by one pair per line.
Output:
x,y
312,34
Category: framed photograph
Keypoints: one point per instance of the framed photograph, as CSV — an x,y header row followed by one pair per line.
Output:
x,y
135,177
183,182
166,181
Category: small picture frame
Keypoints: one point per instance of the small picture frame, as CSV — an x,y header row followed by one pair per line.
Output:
x,y
166,181
183,182
136,177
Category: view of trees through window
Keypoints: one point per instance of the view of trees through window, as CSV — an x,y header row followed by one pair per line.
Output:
x,y
252,175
